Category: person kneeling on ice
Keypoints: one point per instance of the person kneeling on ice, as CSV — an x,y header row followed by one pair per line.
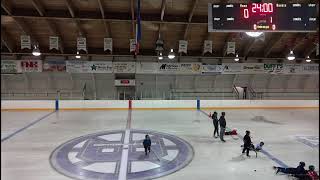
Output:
x,y
294,171
256,149
147,144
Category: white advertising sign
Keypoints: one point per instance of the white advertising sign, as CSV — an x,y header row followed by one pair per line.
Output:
x,y
81,43
25,42
146,68
124,67
165,68
183,46
273,68
30,66
207,68
132,45
207,46
231,48
232,68
89,67
292,69
53,42
107,44
310,68
252,68
8,66
190,68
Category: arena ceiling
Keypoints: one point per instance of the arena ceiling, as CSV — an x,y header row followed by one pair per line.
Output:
x,y
174,20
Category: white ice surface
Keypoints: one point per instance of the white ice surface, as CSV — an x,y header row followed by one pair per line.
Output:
x,y
25,156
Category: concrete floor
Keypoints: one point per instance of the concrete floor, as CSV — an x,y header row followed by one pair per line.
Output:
x,y
26,154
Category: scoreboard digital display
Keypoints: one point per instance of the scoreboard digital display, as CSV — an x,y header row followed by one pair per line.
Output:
x,y
278,17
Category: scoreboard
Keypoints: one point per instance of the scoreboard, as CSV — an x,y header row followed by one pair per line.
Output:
x,y
277,17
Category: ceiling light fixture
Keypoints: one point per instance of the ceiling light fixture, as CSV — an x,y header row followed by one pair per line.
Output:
x,y
254,34
78,55
160,57
171,54
291,56
236,58
308,59
36,51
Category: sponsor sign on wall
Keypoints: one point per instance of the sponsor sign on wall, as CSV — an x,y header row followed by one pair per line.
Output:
x,y
292,69
310,68
124,82
146,68
252,68
30,66
208,68
172,68
89,66
51,65
9,66
232,68
273,68
189,68
124,67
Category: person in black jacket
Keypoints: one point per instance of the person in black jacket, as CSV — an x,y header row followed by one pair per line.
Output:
x,y
222,122
215,122
294,171
247,143
147,144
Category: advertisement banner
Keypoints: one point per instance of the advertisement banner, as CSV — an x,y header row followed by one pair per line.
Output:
x,y
190,68
232,68
9,66
310,69
89,66
252,68
171,68
51,65
146,68
273,68
124,67
209,69
30,66
292,69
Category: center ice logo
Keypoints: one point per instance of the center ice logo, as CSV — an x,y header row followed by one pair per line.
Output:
x,y
98,156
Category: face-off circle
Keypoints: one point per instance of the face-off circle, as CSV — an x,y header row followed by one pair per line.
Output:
x,y
98,156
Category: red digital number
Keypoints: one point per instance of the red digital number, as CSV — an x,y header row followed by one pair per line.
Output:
x,y
262,8
270,7
246,13
265,7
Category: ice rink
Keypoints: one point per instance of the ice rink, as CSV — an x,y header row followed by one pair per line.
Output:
x,y
290,136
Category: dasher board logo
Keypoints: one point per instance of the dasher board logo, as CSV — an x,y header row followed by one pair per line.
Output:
x,y
169,67
30,66
99,155
193,68
273,68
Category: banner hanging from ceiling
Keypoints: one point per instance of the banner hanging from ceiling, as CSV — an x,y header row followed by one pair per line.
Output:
x,y
53,42
25,42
